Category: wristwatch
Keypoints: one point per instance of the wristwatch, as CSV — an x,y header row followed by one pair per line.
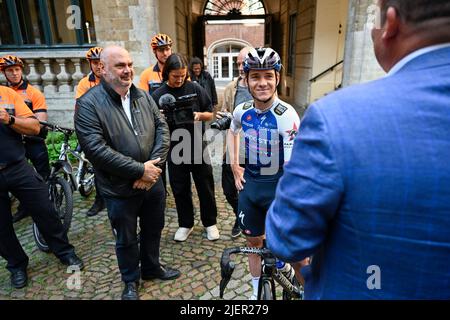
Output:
x,y
12,120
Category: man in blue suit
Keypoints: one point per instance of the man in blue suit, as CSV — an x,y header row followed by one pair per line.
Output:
x,y
367,190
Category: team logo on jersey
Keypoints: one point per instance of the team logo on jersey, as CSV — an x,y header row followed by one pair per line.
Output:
x,y
293,132
247,106
249,117
280,109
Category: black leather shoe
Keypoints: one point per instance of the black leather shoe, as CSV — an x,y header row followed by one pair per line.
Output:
x,y
98,206
130,292
164,273
73,260
20,214
19,279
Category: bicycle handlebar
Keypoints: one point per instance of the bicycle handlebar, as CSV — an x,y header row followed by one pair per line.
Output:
x,y
55,127
227,266
291,288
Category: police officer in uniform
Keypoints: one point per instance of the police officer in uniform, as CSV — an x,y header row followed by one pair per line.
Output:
x,y
19,178
35,147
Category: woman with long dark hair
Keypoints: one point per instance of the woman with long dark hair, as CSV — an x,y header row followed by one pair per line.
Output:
x,y
186,106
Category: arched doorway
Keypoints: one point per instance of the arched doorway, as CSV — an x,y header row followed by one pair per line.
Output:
x,y
236,7
229,26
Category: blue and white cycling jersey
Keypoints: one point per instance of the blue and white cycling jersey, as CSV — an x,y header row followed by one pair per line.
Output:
x,y
269,137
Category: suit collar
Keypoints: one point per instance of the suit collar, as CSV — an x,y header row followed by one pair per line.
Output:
x,y
416,56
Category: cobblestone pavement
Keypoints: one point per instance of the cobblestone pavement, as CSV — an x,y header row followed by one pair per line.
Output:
x,y
197,259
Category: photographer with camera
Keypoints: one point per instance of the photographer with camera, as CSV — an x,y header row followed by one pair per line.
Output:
x,y
184,104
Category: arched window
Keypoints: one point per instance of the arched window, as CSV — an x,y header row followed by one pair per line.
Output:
x,y
224,60
234,7
35,23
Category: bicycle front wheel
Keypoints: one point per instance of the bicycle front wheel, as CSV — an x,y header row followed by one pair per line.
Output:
x,y
266,292
62,197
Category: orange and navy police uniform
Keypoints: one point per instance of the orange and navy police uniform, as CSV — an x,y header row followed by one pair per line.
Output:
x,y
151,79
32,97
36,149
11,144
18,177
86,84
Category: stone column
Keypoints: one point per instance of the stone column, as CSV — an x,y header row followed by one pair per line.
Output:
x,y
63,77
77,75
360,64
33,77
48,78
128,23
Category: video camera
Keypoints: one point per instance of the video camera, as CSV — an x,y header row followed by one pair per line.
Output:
x,y
181,111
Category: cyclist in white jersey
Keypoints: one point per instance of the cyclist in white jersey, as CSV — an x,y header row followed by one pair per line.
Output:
x,y
269,126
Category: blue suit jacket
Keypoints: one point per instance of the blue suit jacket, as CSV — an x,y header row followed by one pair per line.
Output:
x,y
368,187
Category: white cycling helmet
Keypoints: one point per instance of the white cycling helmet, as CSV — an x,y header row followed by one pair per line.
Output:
x,y
262,59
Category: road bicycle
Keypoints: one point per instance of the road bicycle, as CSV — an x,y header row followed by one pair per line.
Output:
x,y
292,289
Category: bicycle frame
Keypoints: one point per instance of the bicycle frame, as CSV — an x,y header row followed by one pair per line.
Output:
x,y
269,271
63,157
64,160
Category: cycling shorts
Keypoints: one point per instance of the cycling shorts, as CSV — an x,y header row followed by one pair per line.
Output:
x,y
254,202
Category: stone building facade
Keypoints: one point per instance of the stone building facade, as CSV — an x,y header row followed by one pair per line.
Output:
x,y
292,27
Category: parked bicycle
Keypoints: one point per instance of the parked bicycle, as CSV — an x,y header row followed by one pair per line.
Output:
x,y
292,289
82,176
63,180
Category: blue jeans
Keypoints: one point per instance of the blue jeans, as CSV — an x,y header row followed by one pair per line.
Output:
x,y
123,214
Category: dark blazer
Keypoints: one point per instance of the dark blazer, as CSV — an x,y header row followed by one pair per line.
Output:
x,y
117,149
367,190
